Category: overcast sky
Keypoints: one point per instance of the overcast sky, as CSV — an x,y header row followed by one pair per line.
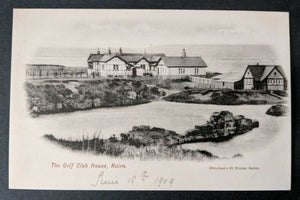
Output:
x,y
144,28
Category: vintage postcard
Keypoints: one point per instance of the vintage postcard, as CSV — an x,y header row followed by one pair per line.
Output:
x,y
150,100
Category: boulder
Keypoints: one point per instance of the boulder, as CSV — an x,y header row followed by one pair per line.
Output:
x,y
277,110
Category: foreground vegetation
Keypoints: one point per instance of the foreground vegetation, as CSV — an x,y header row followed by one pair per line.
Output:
x,y
54,96
226,97
133,149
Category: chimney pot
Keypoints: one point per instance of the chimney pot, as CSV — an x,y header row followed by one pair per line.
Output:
x,y
183,53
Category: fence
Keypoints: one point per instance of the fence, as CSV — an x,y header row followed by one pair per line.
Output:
x,y
203,82
55,71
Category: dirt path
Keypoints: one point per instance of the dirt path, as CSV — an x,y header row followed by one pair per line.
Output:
x,y
168,92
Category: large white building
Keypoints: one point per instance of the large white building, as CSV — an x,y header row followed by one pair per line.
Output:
x,y
123,64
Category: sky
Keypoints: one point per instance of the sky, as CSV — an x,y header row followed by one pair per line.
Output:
x,y
144,28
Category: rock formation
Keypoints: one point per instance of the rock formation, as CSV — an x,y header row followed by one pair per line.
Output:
x,y
221,126
277,110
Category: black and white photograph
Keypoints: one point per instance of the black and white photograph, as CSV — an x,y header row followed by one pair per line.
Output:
x,y
108,99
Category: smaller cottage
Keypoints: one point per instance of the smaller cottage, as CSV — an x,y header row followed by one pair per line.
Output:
x,y
264,77
181,66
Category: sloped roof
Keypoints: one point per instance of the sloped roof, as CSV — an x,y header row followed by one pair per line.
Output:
x,y
131,58
128,57
135,57
281,70
107,57
94,57
266,72
184,62
260,72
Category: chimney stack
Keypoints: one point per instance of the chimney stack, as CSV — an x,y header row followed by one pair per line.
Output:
x,y
98,51
120,51
183,53
109,51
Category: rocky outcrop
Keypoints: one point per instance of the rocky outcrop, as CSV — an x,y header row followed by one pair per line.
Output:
x,y
221,126
277,110
147,142
146,135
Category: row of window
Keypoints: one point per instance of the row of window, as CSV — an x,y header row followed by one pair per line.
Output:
x,y
248,80
182,71
116,67
275,81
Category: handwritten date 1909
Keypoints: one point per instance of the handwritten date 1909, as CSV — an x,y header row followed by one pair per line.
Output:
x,y
158,181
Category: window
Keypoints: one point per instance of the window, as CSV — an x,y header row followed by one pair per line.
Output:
x,y
274,73
248,81
143,66
116,67
181,71
102,67
196,70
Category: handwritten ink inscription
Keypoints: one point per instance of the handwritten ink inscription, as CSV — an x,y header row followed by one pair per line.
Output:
x,y
101,180
157,181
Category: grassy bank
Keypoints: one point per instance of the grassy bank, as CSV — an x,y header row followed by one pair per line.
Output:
x,y
55,96
226,97
134,149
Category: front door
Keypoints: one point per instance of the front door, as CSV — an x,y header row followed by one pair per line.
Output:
x,y
134,71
